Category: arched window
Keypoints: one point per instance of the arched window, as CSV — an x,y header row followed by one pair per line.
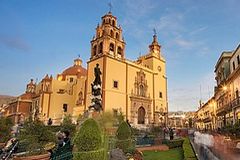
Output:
x,y
104,21
94,50
111,47
117,36
101,48
119,51
112,34
113,22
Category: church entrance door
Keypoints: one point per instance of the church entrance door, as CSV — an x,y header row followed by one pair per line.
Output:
x,y
141,115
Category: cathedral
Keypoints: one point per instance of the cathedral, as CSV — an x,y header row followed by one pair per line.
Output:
x,y
136,88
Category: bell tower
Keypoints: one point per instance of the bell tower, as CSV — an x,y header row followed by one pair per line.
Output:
x,y
108,39
154,48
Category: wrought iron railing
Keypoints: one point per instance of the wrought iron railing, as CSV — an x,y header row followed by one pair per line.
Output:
x,y
232,104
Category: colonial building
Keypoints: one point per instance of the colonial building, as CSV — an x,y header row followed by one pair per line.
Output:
x,y
19,108
224,108
227,90
136,88
180,119
65,94
205,117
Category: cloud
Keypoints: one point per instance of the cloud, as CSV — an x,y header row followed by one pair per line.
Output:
x,y
184,43
188,95
198,30
14,42
135,15
171,23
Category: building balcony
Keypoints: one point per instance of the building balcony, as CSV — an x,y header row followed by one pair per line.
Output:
x,y
207,119
224,109
236,103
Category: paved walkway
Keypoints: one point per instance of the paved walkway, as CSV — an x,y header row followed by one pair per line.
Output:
x,y
202,152
218,152
153,148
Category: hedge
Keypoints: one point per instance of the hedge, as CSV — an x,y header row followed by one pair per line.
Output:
x,y
174,143
124,131
90,155
124,144
89,136
189,153
124,137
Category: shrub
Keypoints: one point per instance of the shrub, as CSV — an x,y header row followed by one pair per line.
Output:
x,y
156,130
124,136
54,129
68,125
89,136
35,135
188,150
125,145
5,129
124,131
174,143
90,155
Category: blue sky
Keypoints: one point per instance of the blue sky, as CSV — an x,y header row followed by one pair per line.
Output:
x,y
42,36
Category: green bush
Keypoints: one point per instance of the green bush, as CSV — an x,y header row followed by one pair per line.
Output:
x,y
68,125
188,150
90,155
5,129
89,142
124,144
89,136
123,131
156,130
35,135
174,143
54,129
124,137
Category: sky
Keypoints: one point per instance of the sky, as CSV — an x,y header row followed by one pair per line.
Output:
x,y
39,37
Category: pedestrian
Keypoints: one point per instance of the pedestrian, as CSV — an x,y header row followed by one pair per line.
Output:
x,y
66,138
171,133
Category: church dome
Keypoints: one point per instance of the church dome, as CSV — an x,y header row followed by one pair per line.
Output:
x,y
76,69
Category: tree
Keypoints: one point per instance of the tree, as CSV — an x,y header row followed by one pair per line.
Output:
x,y
67,124
5,129
35,135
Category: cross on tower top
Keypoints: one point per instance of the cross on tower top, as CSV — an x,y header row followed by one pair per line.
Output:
x,y
154,32
110,7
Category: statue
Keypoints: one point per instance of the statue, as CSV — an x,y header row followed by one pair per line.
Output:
x,y
97,74
96,91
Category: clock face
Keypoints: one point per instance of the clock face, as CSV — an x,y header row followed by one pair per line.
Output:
x,y
159,68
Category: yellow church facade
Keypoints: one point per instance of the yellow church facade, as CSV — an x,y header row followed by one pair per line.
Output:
x,y
137,89
56,97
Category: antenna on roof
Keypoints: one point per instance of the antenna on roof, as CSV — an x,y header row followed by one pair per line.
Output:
x,y
200,101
